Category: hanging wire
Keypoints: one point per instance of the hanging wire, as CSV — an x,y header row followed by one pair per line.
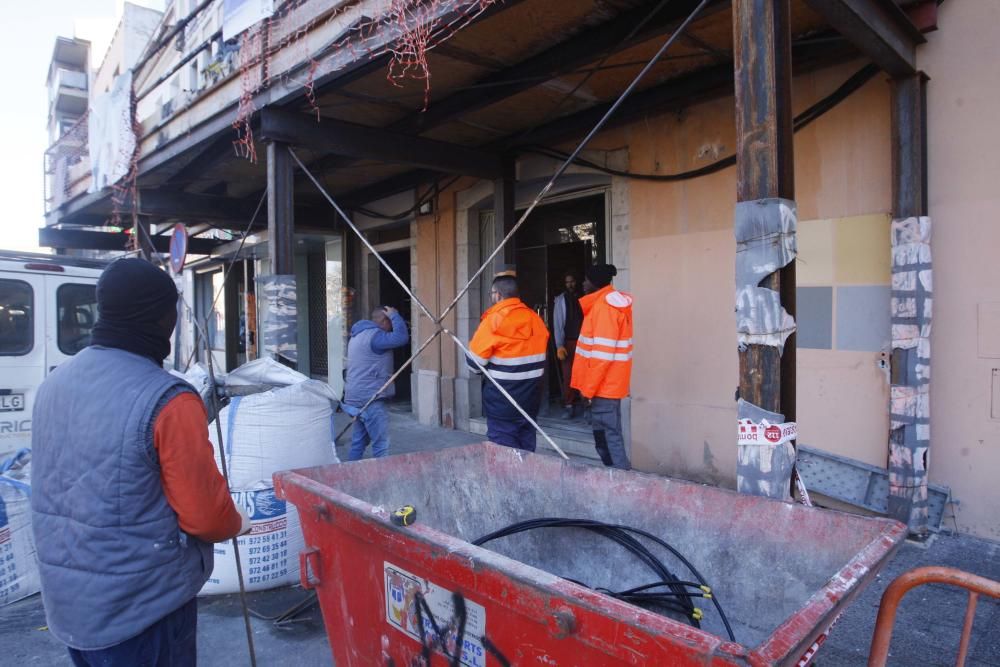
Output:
x,y
804,119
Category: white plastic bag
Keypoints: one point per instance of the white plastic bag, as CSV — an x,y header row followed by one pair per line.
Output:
x,y
18,563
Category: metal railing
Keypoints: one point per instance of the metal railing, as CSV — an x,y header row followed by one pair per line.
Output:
x,y
893,595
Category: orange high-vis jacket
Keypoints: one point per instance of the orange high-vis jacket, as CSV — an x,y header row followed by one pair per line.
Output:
x,y
511,344
603,363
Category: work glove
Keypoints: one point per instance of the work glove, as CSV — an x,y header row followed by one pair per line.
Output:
x,y
245,523
561,353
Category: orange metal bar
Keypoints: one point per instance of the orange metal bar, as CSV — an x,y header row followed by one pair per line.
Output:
x,y
918,577
970,615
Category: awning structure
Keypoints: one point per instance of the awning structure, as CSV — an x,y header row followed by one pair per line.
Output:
x,y
519,75
385,108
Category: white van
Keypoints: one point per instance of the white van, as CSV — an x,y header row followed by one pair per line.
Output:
x,y
48,306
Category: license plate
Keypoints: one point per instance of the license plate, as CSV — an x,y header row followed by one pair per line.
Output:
x,y
11,401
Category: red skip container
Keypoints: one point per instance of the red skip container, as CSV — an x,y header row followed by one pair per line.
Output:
x,y
783,572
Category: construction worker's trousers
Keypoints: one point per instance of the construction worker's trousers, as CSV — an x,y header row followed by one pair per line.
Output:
x,y
372,426
170,642
606,422
511,433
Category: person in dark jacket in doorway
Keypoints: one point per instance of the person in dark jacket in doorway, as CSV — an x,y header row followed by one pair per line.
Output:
x,y
567,318
369,366
126,497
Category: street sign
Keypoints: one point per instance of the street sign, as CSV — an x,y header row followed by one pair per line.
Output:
x,y
178,247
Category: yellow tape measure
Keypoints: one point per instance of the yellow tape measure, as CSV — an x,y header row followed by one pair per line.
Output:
x,y
404,516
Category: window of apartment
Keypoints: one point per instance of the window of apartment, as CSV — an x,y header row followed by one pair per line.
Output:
x,y
193,76
76,306
16,318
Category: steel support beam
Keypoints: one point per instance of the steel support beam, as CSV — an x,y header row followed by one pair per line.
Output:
x,y
280,209
504,216
362,142
879,28
678,93
763,79
167,203
390,186
78,239
909,146
907,446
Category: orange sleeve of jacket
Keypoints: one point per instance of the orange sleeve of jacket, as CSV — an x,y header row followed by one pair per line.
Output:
x,y
483,342
192,483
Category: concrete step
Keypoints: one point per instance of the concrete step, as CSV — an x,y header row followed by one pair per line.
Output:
x,y
575,438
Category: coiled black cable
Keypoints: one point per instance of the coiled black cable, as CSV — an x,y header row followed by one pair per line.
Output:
x,y
679,594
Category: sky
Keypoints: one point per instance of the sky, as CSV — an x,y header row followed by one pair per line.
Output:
x,y
27,36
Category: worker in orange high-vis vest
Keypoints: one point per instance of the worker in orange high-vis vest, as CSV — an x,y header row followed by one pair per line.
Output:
x,y
603,365
511,344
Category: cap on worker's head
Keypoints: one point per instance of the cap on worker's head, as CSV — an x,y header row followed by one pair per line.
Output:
x,y
136,303
506,270
600,275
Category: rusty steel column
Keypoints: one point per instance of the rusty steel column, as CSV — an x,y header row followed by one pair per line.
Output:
x,y
764,169
765,233
280,209
909,435
276,292
503,214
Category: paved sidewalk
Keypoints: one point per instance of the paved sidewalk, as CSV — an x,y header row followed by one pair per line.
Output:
x,y
927,629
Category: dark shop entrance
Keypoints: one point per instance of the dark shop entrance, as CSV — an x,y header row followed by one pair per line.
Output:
x,y
564,236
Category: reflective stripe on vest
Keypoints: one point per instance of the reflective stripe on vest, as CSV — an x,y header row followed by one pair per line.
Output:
x,y
606,356
606,342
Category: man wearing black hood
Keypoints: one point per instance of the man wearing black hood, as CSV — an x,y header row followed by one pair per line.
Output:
x,y
126,496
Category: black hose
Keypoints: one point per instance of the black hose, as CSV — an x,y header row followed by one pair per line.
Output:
x,y
677,598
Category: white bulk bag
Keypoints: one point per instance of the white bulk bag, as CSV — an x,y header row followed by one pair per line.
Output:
x,y
269,553
281,429
289,426
18,563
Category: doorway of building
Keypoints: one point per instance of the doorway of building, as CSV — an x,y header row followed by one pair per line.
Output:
x,y
561,237
391,293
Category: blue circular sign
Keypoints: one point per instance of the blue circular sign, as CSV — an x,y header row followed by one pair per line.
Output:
x,y
178,247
